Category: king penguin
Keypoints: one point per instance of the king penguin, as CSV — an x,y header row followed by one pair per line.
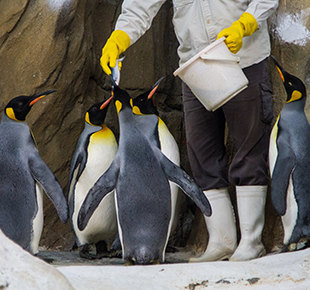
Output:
x,y
289,159
144,105
95,151
140,174
23,177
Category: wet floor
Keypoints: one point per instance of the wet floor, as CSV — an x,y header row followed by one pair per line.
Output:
x,y
58,258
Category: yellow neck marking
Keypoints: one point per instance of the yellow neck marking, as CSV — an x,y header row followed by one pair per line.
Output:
x,y
161,122
296,95
104,135
136,110
10,113
87,119
118,106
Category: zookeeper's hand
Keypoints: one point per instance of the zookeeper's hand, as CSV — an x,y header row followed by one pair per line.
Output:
x,y
245,26
118,42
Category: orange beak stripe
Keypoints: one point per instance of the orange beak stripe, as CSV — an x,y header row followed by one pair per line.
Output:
x,y
152,92
106,102
36,100
281,75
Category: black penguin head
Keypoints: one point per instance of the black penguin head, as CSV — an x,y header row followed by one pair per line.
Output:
x,y
144,103
294,87
97,113
121,98
18,108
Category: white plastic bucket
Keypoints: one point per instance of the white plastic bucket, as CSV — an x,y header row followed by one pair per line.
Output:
x,y
213,75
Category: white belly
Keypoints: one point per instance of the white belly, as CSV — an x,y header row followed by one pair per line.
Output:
x,y
38,221
170,149
290,217
102,225
273,150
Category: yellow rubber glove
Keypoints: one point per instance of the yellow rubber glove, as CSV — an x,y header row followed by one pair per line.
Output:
x,y
245,26
118,42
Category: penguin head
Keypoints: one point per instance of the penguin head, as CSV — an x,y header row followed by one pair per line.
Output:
x,y
144,103
142,255
295,88
121,98
18,108
97,113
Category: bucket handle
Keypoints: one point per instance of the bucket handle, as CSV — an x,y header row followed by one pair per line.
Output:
x,y
232,58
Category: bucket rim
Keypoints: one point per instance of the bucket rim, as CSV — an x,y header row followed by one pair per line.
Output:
x,y
191,60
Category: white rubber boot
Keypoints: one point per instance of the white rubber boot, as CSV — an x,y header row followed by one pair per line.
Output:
x,y
221,227
251,209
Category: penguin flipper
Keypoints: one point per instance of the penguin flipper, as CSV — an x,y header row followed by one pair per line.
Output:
x,y
185,182
78,161
43,175
105,184
283,168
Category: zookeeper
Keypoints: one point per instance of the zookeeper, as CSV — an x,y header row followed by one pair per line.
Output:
x,y
198,23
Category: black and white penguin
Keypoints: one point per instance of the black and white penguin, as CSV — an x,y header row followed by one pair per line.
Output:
x,y
23,177
95,151
289,159
140,174
144,105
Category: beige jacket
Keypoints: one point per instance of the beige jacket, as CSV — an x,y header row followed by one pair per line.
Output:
x,y
198,22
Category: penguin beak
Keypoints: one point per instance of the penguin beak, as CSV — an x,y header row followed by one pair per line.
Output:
x,y
114,84
154,88
38,97
279,68
106,102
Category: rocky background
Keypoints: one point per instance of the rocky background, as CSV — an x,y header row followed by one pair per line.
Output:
x,y
57,44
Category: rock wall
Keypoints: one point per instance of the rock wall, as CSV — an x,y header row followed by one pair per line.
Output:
x,y
57,44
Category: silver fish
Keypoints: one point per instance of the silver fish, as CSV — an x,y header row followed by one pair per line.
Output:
x,y
116,72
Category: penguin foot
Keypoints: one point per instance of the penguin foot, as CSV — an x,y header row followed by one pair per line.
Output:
x,y
74,247
101,250
116,254
90,256
129,263
85,253
285,249
302,244
116,249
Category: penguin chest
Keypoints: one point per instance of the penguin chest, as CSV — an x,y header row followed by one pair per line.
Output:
x,y
170,149
102,224
168,144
